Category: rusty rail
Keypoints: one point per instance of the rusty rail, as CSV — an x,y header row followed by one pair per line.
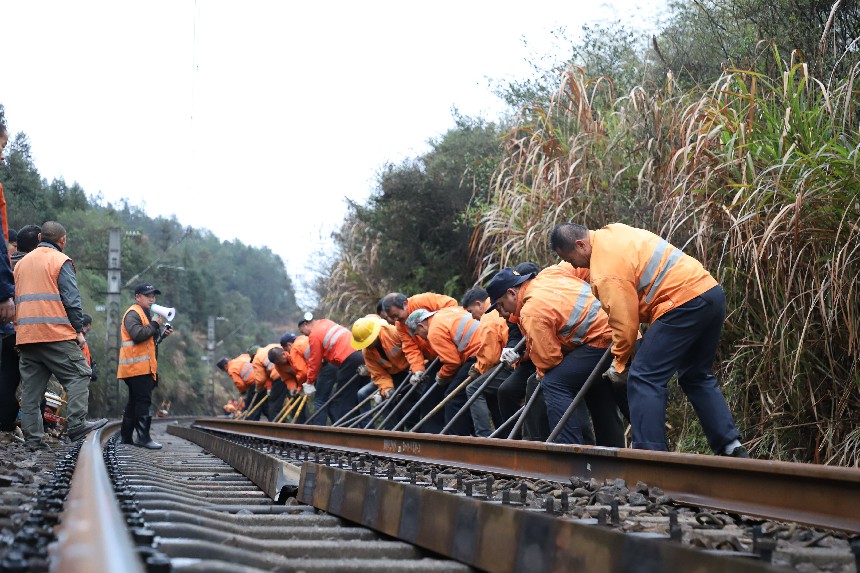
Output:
x,y
93,537
821,496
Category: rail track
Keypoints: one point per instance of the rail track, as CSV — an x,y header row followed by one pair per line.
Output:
x,y
253,496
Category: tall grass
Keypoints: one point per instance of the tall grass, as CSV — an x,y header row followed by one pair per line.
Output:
x,y
756,176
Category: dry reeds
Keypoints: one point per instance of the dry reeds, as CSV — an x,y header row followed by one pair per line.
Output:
x,y
757,177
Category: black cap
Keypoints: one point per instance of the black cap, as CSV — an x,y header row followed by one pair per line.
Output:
x,y
505,279
288,337
222,364
13,236
146,288
527,268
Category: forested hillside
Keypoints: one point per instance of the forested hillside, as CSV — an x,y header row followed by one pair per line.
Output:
x,y
733,132
245,287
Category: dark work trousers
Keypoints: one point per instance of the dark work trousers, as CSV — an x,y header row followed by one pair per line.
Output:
x,y
248,397
480,409
258,397
463,426
512,394
346,374
399,379
436,392
277,395
139,396
10,376
563,382
684,340
324,385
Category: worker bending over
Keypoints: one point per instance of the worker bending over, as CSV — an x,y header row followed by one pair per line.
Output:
x,y
332,342
640,278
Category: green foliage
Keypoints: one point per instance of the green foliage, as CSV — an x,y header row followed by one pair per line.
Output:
x,y
413,233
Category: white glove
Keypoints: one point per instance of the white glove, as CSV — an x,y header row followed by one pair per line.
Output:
x,y
377,398
308,389
362,370
417,377
509,356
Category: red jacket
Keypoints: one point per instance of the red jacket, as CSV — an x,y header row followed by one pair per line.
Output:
x,y
330,341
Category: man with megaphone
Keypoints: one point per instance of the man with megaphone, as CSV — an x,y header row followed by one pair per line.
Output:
x,y
138,364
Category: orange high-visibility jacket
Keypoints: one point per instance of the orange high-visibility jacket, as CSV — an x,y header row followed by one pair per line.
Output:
x,y
136,359
300,351
565,268
416,348
330,341
638,277
393,361
39,312
287,373
493,333
87,354
264,370
558,312
241,371
455,336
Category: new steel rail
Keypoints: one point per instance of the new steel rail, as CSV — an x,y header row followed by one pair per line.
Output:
x,y
822,496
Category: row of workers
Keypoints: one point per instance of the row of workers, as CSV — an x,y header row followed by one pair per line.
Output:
x,y
609,283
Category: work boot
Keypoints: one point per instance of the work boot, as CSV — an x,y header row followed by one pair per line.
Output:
x,y
79,432
145,441
126,432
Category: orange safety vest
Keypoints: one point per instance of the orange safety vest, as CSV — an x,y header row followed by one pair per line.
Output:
x,y
330,341
299,354
391,361
416,348
39,313
87,354
242,372
455,336
136,359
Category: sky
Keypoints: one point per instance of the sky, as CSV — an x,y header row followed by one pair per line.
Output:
x,y
256,119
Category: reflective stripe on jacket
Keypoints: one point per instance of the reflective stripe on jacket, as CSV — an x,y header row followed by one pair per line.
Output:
x,y
330,341
455,336
299,354
393,361
39,312
493,334
558,312
242,372
416,349
264,370
639,277
136,359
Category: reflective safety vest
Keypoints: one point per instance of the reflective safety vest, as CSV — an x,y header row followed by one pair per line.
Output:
x,y
299,354
330,341
241,371
416,348
39,312
136,359
453,334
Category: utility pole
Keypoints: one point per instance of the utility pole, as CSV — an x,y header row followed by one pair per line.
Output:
x,y
210,355
113,309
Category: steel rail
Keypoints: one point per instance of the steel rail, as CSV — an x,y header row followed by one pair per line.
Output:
x,y
93,536
822,496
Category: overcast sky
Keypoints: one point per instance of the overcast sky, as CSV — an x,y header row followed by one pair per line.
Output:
x,y
255,119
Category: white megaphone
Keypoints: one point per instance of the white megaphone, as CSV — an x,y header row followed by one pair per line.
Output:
x,y
168,313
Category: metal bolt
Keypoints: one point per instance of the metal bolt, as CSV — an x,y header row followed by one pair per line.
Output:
x,y
675,532
763,546
143,536
613,513
602,514
468,489
413,477
565,502
158,563
391,470
440,484
524,491
550,504
459,482
490,481
506,497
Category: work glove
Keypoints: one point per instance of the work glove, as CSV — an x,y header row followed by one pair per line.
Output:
x,y
443,380
474,372
362,370
417,377
377,398
386,394
95,375
509,356
308,389
615,376
291,392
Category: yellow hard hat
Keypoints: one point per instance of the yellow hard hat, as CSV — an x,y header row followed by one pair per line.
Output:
x,y
364,331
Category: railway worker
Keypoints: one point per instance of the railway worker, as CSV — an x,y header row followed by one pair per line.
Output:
x,y
8,382
567,334
254,396
331,342
519,386
397,306
281,359
382,349
29,238
240,371
466,348
138,364
476,301
268,382
641,278
49,320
